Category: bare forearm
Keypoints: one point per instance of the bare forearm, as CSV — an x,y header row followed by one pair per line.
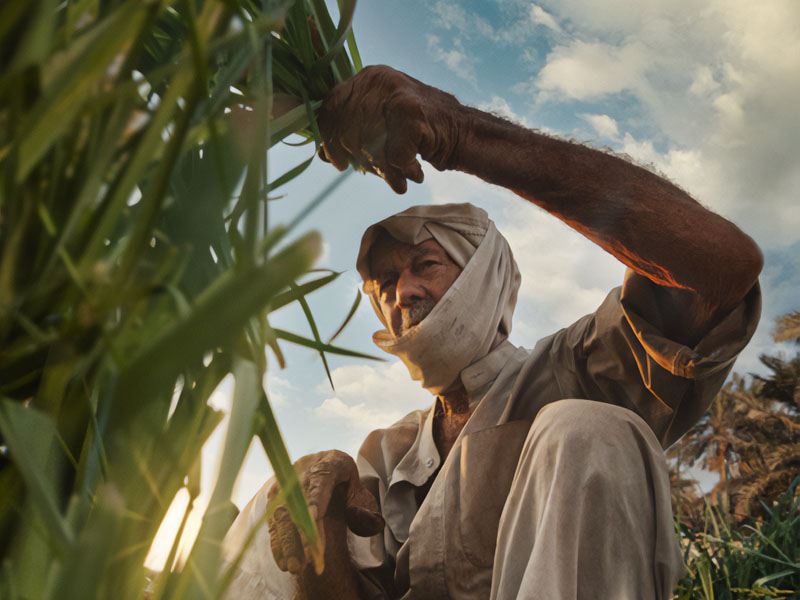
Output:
x,y
645,221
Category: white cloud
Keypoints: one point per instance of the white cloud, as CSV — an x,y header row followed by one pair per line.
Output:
x,y
604,125
517,23
455,59
714,109
564,275
689,169
719,94
704,82
500,106
369,397
642,151
729,107
721,88
542,17
279,390
359,416
450,15
590,70
620,17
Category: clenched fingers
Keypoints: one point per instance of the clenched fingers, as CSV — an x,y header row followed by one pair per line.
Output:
x,y
362,513
376,119
320,475
287,548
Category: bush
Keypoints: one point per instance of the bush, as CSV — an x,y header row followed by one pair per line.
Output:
x,y
757,558
138,269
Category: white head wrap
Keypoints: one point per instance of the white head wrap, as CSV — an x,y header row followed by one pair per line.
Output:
x,y
463,325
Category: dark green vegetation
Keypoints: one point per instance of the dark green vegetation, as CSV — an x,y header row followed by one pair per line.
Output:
x,y
742,539
138,268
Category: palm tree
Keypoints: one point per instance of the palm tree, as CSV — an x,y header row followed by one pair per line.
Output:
x,y
751,436
788,327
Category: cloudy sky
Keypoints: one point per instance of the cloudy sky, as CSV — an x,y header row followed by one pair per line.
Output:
x,y
704,92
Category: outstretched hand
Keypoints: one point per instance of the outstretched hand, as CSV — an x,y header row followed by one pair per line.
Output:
x,y
336,498
381,119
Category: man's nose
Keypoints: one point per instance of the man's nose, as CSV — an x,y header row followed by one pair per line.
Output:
x,y
409,289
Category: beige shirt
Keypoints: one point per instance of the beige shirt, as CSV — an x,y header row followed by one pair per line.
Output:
x,y
444,548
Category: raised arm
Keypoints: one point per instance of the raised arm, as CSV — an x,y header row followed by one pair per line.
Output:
x,y
383,118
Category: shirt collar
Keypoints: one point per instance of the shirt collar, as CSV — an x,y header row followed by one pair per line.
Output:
x,y
422,459
416,467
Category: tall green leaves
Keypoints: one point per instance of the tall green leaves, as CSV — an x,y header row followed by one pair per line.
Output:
x,y
138,268
758,559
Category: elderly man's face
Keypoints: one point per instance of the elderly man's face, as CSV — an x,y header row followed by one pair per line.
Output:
x,y
409,280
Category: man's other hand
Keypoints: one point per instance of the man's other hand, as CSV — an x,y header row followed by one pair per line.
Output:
x,y
337,500
381,119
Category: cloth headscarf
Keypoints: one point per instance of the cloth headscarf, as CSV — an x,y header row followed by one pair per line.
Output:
x,y
463,325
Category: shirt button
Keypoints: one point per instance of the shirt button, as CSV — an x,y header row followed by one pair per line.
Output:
x,y
429,463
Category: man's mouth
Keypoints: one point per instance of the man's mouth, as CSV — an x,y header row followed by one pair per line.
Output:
x,y
414,315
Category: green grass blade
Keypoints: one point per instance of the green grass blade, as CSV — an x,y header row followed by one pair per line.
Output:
x,y
354,53
298,291
57,109
218,314
298,31
314,330
290,122
762,580
148,147
270,435
291,174
346,10
31,439
350,314
37,37
320,347
11,14
205,557
340,66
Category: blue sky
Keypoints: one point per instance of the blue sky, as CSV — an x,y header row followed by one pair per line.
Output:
x,y
704,92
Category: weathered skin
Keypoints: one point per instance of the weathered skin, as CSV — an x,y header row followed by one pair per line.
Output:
x,y
337,501
405,277
382,119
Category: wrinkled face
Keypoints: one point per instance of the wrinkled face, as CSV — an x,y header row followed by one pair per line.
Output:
x,y
408,281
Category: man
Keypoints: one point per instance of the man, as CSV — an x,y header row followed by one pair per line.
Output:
x,y
535,474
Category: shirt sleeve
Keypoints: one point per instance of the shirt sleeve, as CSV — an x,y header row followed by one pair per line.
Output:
x,y
621,354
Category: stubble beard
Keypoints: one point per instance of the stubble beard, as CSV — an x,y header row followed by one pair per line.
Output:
x,y
413,315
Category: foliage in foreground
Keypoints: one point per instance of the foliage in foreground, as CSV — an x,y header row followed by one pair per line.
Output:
x,y
750,437
742,539
138,268
754,558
